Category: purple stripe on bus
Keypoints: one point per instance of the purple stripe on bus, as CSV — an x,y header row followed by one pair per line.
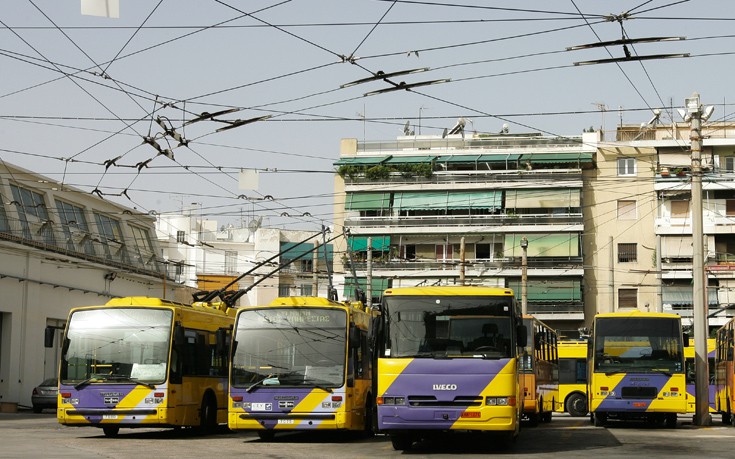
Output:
x,y
634,380
432,377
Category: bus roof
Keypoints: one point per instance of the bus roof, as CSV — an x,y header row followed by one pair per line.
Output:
x,y
469,290
637,313
146,302
304,301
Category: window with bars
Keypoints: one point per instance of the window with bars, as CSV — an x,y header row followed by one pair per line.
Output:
x,y
181,237
230,261
627,252
628,298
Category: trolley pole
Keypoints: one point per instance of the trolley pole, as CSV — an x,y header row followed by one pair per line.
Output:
x,y
701,321
524,275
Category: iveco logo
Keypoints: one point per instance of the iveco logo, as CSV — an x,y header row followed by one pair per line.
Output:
x,y
444,387
112,400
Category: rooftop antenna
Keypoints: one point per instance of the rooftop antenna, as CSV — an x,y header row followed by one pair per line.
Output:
x,y
407,129
602,107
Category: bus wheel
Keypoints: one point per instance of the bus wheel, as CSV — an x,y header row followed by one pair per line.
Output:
x,y
577,405
732,419
670,421
726,418
401,442
208,415
533,419
600,419
546,416
368,422
266,435
111,431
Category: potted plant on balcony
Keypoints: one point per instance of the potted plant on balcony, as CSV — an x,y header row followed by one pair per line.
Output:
x,y
664,172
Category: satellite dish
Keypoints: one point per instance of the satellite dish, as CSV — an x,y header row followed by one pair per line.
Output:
x,y
253,225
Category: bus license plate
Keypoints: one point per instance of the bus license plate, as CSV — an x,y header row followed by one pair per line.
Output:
x,y
261,407
109,416
286,421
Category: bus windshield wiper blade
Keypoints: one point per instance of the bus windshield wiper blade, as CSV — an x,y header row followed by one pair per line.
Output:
x,y
258,383
87,381
132,380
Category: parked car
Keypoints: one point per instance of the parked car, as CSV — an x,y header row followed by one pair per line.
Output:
x,y
44,395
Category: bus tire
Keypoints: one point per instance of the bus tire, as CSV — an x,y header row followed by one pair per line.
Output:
x,y
111,431
266,435
533,419
369,416
600,419
576,405
670,421
401,442
208,414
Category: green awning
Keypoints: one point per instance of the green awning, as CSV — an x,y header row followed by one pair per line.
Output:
x,y
295,250
549,291
367,201
547,198
378,286
556,158
543,245
410,200
457,158
474,200
378,243
683,295
410,159
498,158
361,161
447,200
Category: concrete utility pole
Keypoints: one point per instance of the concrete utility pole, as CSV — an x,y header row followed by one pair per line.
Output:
x,y
369,279
694,114
524,276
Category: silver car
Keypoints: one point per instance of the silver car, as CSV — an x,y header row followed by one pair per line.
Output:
x,y
45,395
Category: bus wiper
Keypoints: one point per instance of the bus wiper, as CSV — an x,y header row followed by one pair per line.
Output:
x,y
312,382
663,371
87,381
115,377
259,382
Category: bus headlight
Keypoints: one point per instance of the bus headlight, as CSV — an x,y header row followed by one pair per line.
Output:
x,y
391,400
500,401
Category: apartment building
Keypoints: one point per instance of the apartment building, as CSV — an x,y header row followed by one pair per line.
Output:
x,y
640,247
62,247
453,209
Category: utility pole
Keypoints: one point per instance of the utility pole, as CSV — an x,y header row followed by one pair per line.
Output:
x,y
462,261
694,114
369,277
524,275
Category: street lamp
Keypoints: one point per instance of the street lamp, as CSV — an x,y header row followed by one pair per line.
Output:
x,y
694,115
524,275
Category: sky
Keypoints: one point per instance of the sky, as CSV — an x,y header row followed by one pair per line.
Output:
x,y
114,106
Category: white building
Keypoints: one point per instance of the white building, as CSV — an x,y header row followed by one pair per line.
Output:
x,y
61,247
207,257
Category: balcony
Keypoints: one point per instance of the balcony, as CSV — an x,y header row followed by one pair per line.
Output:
x,y
429,221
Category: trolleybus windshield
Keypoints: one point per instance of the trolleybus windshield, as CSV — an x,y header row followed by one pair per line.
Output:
x,y
290,347
116,345
638,344
449,326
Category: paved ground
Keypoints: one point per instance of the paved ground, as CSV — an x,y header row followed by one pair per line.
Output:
x,y
25,434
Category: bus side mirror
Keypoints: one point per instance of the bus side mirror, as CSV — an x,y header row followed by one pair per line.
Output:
x,y
538,338
522,335
685,337
354,342
48,337
179,335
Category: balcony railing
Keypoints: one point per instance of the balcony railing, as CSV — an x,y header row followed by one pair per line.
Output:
x,y
478,263
494,176
464,220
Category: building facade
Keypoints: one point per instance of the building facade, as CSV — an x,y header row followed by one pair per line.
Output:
x,y
444,210
642,247
272,262
60,248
